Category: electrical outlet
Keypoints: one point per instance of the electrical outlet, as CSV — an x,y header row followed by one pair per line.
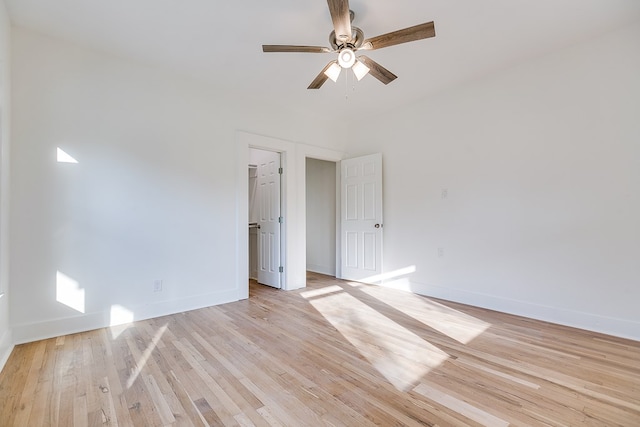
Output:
x,y
440,252
157,286
445,193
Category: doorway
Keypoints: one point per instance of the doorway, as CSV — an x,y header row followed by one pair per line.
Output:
x,y
293,157
321,216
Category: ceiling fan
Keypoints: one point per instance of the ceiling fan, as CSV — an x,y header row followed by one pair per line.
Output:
x,y
346,40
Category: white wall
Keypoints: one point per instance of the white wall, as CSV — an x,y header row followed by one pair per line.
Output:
x,y
541,164
321,216
153,195
5,109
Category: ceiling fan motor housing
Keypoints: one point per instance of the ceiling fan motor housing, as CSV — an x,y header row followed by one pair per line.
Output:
x,y
355,43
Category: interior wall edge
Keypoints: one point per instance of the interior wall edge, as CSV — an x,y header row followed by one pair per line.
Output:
x,y
6,344
6,347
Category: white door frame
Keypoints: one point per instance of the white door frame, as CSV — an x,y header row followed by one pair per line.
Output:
x,y
294,228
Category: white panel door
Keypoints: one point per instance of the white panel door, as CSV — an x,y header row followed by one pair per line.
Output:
x,y
268,199
361,218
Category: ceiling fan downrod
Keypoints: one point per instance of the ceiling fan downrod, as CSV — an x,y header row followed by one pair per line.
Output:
x,y
356,41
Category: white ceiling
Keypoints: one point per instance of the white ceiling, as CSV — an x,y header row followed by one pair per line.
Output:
x,y
220,42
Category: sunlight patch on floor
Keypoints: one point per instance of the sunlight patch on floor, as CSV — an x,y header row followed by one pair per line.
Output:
x,y
397,277
401,356
140,363
452,323
321,291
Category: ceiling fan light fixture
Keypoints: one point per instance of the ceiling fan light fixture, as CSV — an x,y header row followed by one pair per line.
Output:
x,y
346,58
345,40
360,70
333,72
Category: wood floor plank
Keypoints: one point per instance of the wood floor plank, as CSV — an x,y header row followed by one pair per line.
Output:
x,y
13,381
460,406
333,354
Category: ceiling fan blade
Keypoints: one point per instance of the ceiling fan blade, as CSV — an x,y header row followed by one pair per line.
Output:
x,y
377,70
341,18
320,78
291,48
417,32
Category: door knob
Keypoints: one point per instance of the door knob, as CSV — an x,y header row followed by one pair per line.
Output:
x,y
378,225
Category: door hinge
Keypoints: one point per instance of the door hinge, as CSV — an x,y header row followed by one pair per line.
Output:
x,y
281,269
280,171
280,219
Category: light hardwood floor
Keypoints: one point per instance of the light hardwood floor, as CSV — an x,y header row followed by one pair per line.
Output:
x,y
335,353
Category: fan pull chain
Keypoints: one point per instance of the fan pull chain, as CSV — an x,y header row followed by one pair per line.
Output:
x,y
354,80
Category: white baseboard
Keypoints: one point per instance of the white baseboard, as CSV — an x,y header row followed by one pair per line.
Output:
x,y
321,269
69,325
623,328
